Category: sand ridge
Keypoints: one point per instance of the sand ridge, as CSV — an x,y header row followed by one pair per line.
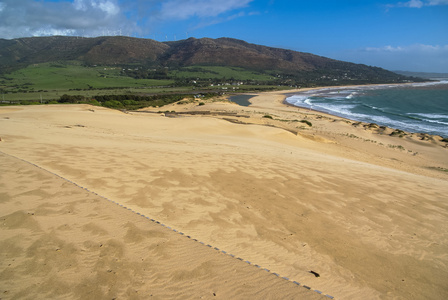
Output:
x,y
291,203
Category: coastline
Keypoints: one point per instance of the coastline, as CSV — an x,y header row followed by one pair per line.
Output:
x,y
361,207
413,85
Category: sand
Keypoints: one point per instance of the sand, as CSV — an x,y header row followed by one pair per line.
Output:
x,y
365,210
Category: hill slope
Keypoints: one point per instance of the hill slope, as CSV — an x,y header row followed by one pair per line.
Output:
x,y
100,50
18,53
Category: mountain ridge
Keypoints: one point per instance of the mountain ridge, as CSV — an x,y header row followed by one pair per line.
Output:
x,y
120,50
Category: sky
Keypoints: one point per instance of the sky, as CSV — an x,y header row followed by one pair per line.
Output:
x,y
408,35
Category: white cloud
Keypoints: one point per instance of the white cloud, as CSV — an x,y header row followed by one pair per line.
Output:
x,y
20,18
419,3
80,5
184,9
108,7
411,48
416,57
53,31
438,2
218,20
80,17
414,3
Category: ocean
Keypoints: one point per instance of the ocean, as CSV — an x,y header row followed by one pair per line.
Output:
x,y
419,107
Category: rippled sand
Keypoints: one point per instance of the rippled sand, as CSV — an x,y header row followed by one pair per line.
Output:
x,y
289,203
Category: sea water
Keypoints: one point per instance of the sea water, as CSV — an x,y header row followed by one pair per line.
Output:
x,y
420,107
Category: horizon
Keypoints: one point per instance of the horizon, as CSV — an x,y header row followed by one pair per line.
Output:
x,y
381,33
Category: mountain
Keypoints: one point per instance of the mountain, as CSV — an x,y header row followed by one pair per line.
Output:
x,y
18,53
101,50
232,52
437,76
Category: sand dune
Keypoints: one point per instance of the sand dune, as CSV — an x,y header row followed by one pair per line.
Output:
x,y
371,220
61,241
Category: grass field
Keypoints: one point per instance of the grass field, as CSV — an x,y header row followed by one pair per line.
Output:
x,y
205,72
49,81
53,76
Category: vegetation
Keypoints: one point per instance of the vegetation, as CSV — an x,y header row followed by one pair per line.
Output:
x,y
130,71
439,169
307,122
121,101
71,76
398,132
128,102
396,147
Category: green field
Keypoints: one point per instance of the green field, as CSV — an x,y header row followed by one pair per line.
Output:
x,y
53,76
49,81
217,72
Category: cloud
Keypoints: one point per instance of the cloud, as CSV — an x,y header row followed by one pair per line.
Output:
x,y
108,7
20,18
438,2
184,9
412,3
80,17
218,20
406,49
418,3
416,57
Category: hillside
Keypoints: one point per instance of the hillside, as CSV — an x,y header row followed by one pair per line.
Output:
x,y
101,50
437,76
294,67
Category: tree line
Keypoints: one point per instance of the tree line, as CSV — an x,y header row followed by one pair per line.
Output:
x,y
125,101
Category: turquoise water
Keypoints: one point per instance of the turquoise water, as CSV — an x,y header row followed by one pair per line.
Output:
x,y
419,107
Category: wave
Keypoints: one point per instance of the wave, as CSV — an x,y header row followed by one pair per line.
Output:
x,y
412,126
351,95
308,101
430,83
437,122
381,108
385,111
338,109
375,108
430,116
415,84
297,100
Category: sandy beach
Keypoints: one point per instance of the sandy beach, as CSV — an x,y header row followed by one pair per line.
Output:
x,y
246,203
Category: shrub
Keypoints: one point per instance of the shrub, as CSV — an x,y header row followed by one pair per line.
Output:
x,y
372,125
94,102
267,117
307,122
71,98
398,132
113,104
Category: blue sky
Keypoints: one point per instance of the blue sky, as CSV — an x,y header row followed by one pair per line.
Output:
x,y
397,35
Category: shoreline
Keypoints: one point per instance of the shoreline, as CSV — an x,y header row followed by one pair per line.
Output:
x,y
373,142
332,127
298,91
